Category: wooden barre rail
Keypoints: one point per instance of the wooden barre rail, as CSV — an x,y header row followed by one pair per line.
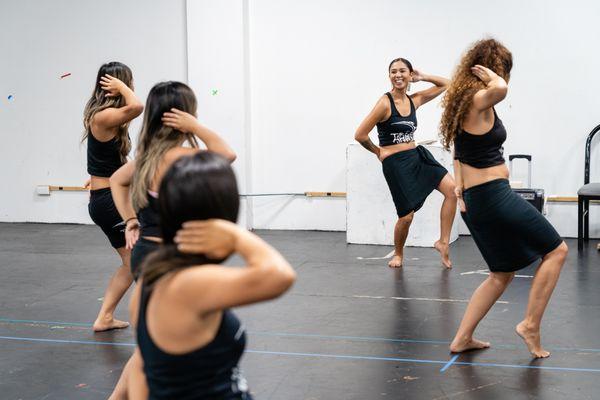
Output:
x,y
46,189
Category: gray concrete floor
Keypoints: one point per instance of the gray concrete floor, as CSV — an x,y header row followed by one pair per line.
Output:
x,y
349,329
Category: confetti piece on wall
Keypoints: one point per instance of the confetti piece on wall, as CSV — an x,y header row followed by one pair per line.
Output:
x,y
214,92
65,75
10,96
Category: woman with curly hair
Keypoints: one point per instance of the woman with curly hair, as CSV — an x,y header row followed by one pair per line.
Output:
x,y
411,172
509,232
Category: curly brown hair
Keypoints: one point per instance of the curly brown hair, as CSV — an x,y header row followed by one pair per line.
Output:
x,y
457,100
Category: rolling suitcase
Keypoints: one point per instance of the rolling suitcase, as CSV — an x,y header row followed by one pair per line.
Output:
x,y
533,196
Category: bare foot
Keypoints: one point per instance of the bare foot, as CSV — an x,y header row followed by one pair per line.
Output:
x,y
444,251
106,324
395,262
531,337
458,346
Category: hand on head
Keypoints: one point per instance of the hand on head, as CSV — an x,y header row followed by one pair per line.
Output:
x,y
111,85
416,75
216,238
179,120
483,73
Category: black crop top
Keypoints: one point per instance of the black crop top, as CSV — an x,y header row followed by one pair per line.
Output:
x,y
397,129
209,372
149,217
103,158
481,151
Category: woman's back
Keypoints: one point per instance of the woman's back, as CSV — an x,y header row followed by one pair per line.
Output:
x,y
188,356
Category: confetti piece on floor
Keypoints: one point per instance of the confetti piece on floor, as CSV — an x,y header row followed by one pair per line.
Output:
x,y
100,298
10,96
410,378
82,385
214,92
57,327
65,75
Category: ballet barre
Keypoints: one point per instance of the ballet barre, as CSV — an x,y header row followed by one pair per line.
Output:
x,y
45,190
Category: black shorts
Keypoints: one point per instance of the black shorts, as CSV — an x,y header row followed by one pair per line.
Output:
x,y
509,231
104,214
411,176
140,251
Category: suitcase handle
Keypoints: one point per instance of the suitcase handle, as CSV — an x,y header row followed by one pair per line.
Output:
x,y
525,156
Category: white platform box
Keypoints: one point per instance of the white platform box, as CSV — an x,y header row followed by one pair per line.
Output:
x,y
370,212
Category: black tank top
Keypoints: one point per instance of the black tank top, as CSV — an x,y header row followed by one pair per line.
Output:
x,y
397,129
149,218
481,151
103,158
210,372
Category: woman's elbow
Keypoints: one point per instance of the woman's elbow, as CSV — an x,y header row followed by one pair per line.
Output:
x,y
229,155
137,109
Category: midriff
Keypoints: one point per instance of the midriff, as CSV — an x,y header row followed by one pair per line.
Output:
x,y
472,176
386,151
99,182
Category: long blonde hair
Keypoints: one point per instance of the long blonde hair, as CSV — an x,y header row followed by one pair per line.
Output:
x,y
155,138
458,98
98,102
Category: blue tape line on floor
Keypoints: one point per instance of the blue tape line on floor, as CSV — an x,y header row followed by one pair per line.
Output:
x,y
449,363
31,321
319,355
317,336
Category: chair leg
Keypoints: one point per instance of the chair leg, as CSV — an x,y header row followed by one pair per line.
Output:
x,y
586,219
579,223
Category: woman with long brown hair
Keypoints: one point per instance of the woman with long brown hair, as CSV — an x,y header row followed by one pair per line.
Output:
x,y
510,233
411,171
170,130
106,119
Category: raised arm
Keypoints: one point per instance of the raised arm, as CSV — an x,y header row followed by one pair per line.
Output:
x,y
376,115
187,123
495,90
266,275
424,96
113,117
119,187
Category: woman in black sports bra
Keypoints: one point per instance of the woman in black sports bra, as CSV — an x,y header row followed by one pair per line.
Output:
x,y
411,172
510,233
107,115
189,340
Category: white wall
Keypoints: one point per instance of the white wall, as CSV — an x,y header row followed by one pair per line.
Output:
x,y
294,80
219,77
40,129
316,70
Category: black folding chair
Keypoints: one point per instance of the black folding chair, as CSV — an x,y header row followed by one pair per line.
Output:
x,y
589,191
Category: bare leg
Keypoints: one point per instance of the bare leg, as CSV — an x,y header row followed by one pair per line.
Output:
x,y
120,390
118,285
447,214
482,300
542,287
400,235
